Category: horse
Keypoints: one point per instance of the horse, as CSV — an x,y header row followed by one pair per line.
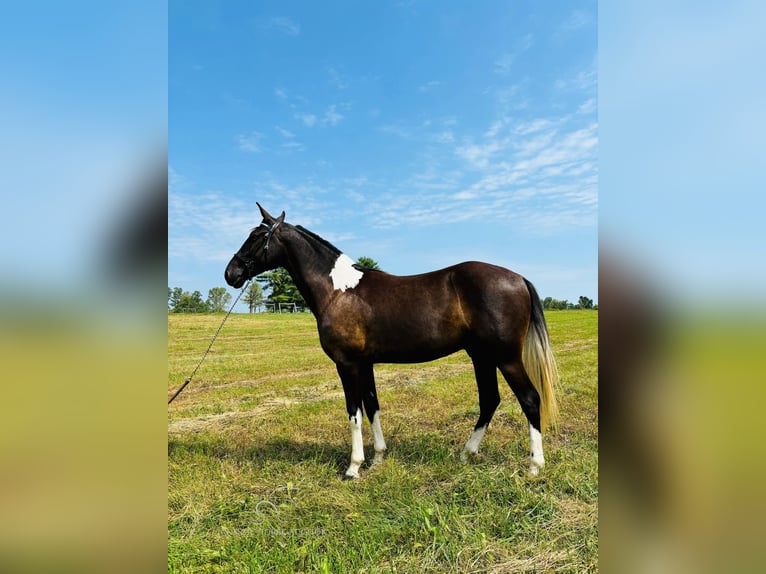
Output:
x,y
367,316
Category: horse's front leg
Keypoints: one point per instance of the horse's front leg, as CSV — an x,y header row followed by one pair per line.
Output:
x,y
351,377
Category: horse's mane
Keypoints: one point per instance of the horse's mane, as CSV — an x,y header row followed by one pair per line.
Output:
x,y
315,237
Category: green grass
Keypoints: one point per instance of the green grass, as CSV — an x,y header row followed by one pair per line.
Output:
x,y
258,443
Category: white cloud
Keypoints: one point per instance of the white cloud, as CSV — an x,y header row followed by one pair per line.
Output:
x,y
577,19
293,145
505,61
284,133
289,143
480,155
250,142
588,107
207,227
396,129
285,25
290,99
337,79
280,94
308,119
539,173
331,117
580,81
428,86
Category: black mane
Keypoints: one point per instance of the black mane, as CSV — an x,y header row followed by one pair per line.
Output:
x,y
315,237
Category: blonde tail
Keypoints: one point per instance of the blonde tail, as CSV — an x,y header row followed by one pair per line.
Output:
x,y
540,363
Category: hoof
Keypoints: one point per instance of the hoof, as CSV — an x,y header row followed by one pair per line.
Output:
x,y
352,472
535,466
467,456
378,458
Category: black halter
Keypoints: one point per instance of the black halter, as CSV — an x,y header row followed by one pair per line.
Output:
x,y
249,263
269,233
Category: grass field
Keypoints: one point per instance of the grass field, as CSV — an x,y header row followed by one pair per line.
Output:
x,y
258,442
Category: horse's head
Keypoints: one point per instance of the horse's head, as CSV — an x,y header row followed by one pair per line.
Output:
x,y
260,252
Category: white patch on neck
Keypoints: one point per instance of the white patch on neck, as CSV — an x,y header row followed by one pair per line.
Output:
x,y
343,275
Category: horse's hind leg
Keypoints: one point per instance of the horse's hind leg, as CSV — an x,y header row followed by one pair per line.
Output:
x,y
489,397
372,408
529,399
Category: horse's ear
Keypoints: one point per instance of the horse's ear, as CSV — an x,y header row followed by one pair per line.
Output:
x,y
265,214
281,218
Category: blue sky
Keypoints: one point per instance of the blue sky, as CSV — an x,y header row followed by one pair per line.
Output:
x,y
418,134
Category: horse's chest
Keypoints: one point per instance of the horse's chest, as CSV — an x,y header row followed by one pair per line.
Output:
x,y
342,337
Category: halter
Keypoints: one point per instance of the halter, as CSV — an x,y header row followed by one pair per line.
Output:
x,y
249,263
269,233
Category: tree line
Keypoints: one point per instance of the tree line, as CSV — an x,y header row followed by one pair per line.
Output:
x,y
282,290
180,301
583,303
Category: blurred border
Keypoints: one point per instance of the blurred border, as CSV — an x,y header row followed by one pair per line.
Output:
x,y
681,282
83,450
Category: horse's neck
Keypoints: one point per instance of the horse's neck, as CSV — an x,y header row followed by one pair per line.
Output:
x,y
309,264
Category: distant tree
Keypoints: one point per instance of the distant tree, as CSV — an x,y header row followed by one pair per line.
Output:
x,y
551,303
368,262
585,303
253,297
281,287
174,297
218,299
190,303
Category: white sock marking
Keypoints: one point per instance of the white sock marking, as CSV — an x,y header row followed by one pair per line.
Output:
x,y
357,449
343,274
377,435
472,446
536,458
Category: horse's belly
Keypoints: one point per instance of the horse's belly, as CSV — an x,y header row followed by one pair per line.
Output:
x,y
409,347
413,355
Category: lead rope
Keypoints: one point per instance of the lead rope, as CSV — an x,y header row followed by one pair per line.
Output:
x,y
188,380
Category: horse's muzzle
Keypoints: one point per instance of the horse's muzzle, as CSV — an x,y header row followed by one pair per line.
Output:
x,y
235,275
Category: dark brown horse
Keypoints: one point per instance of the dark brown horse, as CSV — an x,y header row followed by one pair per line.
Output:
x,y
366,317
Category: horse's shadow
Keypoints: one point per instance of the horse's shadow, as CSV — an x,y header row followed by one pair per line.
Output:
x,y
411,448
278,448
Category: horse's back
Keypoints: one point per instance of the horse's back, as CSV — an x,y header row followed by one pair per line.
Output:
x,y
486,282
474,283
